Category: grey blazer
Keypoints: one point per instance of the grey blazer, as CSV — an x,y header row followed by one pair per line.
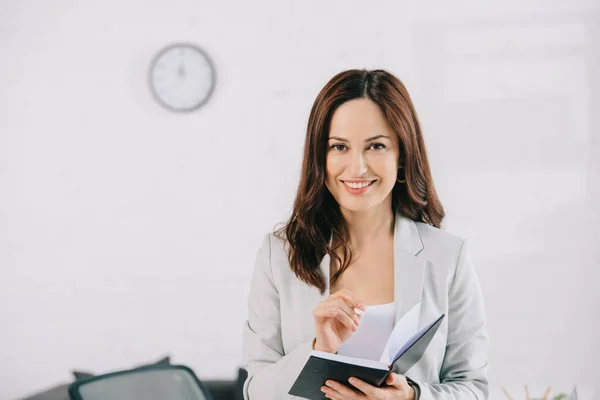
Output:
x,y
431,266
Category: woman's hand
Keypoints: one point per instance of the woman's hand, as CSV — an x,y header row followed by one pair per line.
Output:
x,y
335,320
397,389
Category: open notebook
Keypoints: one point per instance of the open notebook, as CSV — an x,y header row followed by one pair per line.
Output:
x,y
405,346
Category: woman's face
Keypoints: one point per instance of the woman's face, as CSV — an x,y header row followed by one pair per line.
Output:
x,y
362,156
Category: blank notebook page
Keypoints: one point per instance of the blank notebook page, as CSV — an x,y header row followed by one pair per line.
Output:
x,y
372,335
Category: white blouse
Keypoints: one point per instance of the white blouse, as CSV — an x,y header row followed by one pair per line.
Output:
x,y
372,334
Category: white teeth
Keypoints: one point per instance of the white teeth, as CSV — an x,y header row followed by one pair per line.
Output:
x,y
357,185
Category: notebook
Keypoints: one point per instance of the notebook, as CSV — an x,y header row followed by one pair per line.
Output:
x,y
405,346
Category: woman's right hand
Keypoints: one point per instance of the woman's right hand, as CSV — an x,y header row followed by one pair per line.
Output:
x,y
335,320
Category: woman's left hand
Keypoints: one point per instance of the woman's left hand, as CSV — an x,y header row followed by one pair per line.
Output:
x,y
397,389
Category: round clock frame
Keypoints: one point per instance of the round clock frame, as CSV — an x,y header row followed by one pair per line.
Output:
x,y
155,63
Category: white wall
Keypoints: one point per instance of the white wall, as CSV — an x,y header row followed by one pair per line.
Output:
x,y
128,232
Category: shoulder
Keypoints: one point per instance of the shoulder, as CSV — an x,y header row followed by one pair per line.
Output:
x,y
431,234
273,254
438,243
273,243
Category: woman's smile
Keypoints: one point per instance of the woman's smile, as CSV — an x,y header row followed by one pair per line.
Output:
x,y
356,187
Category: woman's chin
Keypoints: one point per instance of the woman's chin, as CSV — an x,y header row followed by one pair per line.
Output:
x,y
361,205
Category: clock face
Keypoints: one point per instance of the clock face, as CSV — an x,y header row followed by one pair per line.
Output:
x,y
182,77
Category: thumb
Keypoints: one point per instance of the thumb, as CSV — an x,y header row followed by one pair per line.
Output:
x,y
391,379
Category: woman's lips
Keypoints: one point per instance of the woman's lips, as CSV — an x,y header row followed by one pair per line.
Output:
x,y
357,190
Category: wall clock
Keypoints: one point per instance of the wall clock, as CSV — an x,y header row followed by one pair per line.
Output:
x,y
182,77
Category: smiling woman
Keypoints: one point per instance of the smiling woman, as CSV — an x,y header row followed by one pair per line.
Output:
x,y
362,248
357,162
363,128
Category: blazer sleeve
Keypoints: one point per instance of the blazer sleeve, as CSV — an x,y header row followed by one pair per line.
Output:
x,y
463,374
271,372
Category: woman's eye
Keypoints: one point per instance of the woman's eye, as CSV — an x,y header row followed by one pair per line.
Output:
x,y
377,146
338,147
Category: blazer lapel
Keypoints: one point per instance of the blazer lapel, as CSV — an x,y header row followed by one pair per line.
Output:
x,y
409,271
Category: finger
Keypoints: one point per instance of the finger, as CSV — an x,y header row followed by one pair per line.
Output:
x,y
329,310
341,307
347,309
368,389
389,380
345,319
396,380
325,312
344,391
337,313
349,297
332,393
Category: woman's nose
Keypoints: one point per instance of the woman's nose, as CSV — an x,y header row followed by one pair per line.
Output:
x,y
358,165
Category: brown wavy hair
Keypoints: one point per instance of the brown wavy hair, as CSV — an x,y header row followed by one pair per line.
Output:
x,y
316,217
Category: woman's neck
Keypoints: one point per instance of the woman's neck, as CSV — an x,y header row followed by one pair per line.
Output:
x,y
365,226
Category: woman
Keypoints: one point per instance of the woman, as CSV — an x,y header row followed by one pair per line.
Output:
x,y
364,233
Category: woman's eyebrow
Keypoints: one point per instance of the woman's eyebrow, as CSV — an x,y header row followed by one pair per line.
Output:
x,y
338,138
366,140
377,137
